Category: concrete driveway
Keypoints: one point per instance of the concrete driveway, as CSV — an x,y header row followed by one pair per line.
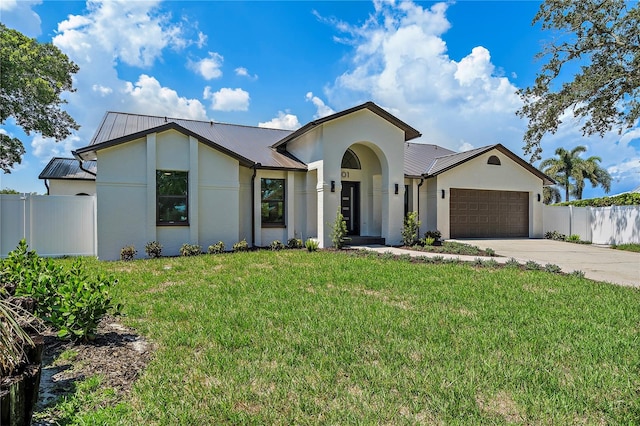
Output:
x,y
598,263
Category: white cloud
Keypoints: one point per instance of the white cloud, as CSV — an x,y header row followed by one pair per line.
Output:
x,y
322,110
227,99
465,146
19,15
132,31
243,72
147,96
102,90
46,148
208,68
284,120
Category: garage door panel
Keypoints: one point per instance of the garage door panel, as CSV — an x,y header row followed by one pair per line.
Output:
x,y
484,213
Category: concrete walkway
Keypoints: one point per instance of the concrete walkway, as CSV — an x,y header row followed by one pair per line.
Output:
x,y
597,263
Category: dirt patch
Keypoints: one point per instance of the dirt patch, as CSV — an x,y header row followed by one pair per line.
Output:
x,y
501,405
117,354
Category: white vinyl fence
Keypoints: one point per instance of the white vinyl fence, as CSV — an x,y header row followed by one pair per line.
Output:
x,y
52,225
600,225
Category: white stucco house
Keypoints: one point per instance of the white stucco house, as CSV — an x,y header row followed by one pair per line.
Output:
x,y
181,181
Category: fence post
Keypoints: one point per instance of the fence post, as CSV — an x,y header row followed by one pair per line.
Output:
x,y
570,220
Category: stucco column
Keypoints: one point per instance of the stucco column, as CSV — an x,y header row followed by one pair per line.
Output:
x,y
151,188
194,177
290,203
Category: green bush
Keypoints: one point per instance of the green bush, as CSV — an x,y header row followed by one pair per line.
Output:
x,y
190,250
153,249
512,263
241,246
435,234
532,265
573,238
339,231
629,199
554,269
216,248
128,253
311,244
72,301
428,241
294,243
276,245
490,252
410,229
555,235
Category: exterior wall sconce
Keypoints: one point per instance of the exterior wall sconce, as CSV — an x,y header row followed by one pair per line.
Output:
x,y
333,186
538,197
442,193
396,189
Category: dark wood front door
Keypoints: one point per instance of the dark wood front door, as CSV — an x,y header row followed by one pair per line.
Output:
x,y
350,206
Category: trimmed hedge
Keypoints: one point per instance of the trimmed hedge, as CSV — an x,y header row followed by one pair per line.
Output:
x,y
629,199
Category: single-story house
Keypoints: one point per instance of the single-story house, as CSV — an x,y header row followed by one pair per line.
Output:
x,y
181,181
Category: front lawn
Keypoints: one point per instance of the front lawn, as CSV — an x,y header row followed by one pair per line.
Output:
x,y
628,247
330,338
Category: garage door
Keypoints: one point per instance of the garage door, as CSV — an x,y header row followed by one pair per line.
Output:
x,y
488,214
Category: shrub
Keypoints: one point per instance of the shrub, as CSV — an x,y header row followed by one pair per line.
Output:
x,y
153,249
387,255
491,263
13,337
532,265
512,263
435,234
294,243
410,229
339,231
241,246
72,300
216,248
554,269
190,250
555,235
577,274
128,253
311,244
573,238
490,252
276,245
428,241
628,199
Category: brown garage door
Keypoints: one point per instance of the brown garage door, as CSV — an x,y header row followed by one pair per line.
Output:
x,y
477,213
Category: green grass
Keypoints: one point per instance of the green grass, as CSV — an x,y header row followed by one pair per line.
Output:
x,y
628,247
292,337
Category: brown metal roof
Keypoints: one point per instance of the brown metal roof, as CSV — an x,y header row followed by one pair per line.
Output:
x,y
250,145
409,132
68,168
447,162
418,157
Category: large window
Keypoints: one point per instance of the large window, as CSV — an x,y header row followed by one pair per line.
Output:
x,y
171,196
272,202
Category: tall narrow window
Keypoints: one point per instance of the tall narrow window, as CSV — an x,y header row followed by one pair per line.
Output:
x,y
272,202
172,197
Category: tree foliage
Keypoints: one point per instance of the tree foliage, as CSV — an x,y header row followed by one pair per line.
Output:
x,y
34,76
602,38
571,171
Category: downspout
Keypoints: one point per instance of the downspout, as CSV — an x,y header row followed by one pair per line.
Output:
x,y
47,185
253,201
418,205
79,159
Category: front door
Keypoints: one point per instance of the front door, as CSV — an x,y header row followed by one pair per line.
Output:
x,y
350,206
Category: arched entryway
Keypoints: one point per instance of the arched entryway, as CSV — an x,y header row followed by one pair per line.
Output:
x,y
361,201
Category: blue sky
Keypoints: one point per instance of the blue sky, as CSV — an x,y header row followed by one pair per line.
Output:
x,y
448,69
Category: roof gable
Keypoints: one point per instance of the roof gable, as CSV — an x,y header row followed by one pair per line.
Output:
x,y
448,162
409,132
249,145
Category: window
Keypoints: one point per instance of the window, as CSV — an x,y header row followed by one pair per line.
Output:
x,y
171,196
350,160
493,160
272,202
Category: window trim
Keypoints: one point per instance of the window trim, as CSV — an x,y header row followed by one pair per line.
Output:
x,y
185,196
278,224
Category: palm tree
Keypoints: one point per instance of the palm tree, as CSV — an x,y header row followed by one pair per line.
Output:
x,y
551,195
590,170
571,171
